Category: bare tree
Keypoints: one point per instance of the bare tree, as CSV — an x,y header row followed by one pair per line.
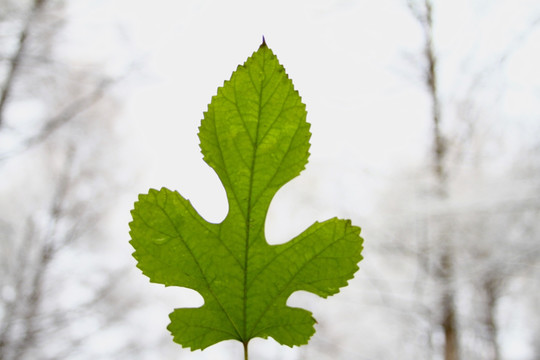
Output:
x,y
31,71
444,269
470,239
57,187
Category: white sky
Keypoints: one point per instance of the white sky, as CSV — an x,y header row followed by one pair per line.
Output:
x,y
355,64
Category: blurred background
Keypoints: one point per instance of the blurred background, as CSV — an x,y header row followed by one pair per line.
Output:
x,y
426,133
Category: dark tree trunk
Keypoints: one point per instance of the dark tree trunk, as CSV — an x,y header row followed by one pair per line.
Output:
x,y
448,318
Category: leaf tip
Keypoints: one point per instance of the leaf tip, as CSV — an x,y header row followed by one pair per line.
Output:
x,y
263,43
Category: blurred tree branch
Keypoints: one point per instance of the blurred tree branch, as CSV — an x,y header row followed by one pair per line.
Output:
x,y
32,31
17,58
462,248
46,240
65,115
444,269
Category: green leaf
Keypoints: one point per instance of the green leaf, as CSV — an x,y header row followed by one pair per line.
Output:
x,y
255,136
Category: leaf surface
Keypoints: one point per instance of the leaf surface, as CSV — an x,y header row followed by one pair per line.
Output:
x,y
256,137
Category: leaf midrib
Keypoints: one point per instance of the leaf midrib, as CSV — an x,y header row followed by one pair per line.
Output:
x,y
249,208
